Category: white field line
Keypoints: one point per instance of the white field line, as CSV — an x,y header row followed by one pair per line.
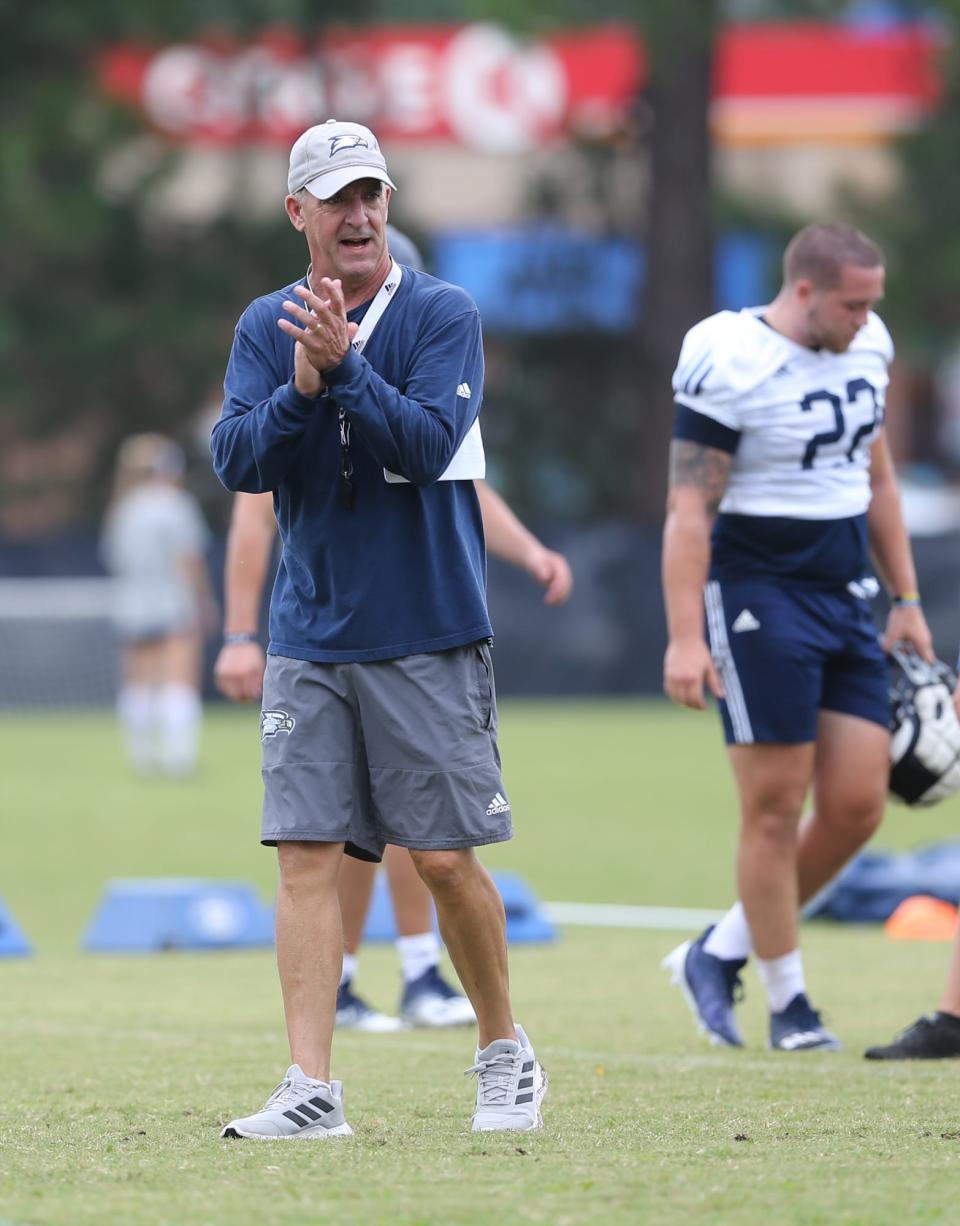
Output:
x,y
427,1041
612,915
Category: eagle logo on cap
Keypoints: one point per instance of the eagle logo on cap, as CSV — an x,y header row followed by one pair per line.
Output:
x,y
350,141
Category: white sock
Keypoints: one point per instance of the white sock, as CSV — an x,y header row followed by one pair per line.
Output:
x,y
136,708
180,713
418,954
783,979
349,968
730,938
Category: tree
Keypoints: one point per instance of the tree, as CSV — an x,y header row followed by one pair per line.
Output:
x,y
918,226
679,232
111,321
105,321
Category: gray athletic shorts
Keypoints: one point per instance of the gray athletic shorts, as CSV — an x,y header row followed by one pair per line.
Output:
x,y
395,751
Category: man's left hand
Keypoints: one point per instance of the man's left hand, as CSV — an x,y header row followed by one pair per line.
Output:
x,y
324,332
906,624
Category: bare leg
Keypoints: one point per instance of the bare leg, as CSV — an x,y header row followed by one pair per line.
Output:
x,y
950,1000
850,774
850,792
309,950
138,702
182,659
473,927
412,906
140,663
355,889
773,781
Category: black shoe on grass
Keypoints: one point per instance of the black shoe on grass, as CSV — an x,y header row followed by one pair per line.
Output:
x,y
935,1037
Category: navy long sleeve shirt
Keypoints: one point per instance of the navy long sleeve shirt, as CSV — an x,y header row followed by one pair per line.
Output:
x,y
403,569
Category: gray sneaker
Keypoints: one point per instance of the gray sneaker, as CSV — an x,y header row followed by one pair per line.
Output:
x,y
299,1108
511,1085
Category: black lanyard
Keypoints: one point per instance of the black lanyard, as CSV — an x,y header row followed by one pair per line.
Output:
x,y
346,463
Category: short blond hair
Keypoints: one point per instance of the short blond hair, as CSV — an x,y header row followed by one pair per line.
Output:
x,y
819,254
146,457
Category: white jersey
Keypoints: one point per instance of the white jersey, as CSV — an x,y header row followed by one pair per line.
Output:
x,y
149,535
800,421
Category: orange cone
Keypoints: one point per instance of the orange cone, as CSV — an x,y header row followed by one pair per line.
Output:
x,y
922,918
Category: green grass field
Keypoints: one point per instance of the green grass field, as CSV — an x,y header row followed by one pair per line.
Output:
x,y
116,1073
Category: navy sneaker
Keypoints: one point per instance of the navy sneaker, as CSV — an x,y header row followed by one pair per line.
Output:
x,y
353,1013
711,987
430,1001
799,1028
936,1037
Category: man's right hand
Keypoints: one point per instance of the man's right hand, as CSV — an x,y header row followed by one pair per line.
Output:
x,y
238,671
686,667
552,571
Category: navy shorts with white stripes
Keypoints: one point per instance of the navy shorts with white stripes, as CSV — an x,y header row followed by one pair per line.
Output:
x,y
784,654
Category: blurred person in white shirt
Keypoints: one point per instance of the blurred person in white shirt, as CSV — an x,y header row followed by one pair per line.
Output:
x,y
153,545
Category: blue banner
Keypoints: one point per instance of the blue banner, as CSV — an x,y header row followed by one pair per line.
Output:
x,y
549,279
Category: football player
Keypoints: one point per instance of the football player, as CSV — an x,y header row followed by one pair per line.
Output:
x,y
781,488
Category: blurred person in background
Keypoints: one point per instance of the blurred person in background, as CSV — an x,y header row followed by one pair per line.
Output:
x,y
935,1036
353,395
781,487
427,999
153,545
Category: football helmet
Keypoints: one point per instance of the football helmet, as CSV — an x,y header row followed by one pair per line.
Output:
x,y
925,730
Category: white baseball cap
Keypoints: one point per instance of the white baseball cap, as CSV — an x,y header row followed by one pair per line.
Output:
x,y
330,155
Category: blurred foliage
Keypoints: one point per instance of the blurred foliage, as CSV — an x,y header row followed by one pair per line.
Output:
x,y
114,316
918,224
679,232
105,316
867,11
561,418
915,224
592,414
110,315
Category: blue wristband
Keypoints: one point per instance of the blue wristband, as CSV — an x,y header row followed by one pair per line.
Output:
x,y
240,636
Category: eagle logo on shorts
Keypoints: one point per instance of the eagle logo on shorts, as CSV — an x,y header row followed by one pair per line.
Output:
x,y
272,722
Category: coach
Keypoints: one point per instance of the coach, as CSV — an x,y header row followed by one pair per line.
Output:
x,y
353,395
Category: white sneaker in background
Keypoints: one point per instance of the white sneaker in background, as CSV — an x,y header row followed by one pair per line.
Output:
x,y
353,1013
431,1002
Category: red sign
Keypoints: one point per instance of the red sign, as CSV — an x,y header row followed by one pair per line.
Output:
x,y
475,85
777,83
480,87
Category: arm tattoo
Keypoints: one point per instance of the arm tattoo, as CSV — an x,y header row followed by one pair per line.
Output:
x,y
702,468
